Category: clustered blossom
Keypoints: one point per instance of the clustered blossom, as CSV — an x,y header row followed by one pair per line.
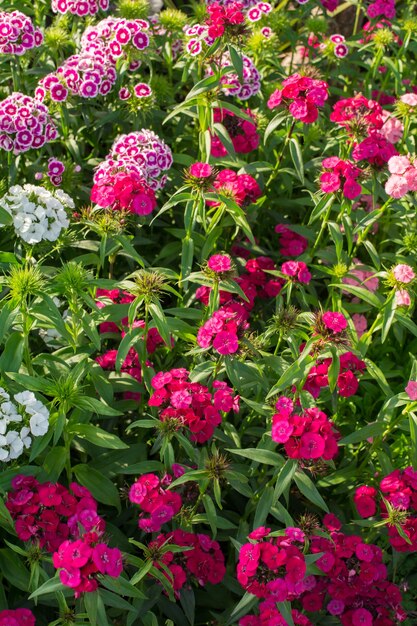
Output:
x,y
55,171
124,191
185,404
399,489
223,329
302,96
18,617
81,561
296,271
223,19
79,7
347,383
38,214
17,33
403,177
242,132
232,85
273,567
160,504
116,296
141,152
92,72
25,123
341,175
383,8
354,587
47,514
219,263
306,435
291,243
243,188
254,281
358,275
22,417
202,562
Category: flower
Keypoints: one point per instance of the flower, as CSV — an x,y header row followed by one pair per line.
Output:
x,y
403,273
219,263
79,7
334,321
411,389
37,214
17,33
25,123
302,95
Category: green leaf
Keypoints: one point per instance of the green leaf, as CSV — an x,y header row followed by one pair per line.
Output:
x,y
101,487
91,606
259,456
122,587
388,316
54,463
159,318
321,208
334,369
237,61
309,490
263,507
97,406
273,124
50,586
362,293
285,477
370,430
297,158
97,435
243,607
12,355
285,609
210,510
13,569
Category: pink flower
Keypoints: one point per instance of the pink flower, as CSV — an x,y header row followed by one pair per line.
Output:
x,y
281,429
411,389
402,297
200,170
226,342
403,273
312,445
336,322
362,617
360,323
219,263
108,560
409,98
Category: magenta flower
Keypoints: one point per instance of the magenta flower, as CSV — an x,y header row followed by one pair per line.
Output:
x,y
411,389
226,342
403,273
219,263
336,322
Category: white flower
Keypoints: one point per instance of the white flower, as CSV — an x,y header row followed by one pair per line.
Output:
x,y
38,424
38,214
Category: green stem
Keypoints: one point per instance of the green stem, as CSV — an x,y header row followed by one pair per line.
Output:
x,y
278,163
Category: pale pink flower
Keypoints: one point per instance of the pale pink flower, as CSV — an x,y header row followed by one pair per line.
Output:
x,y
404,273
398,164
410,99
360,323
392,129
402,297
411,389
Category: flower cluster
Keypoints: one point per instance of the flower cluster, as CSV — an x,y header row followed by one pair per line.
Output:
x,y
17,33
399,491
141,152
224,19
291,243
223,329
309,435
183,403
48,514
79,7
21,418
202,561
160,504
297,271
383,8
92,72
115,296
358,115
25,123
18,617
241,131
55,171
124,191
403,176
354,588
341,175
243,188
81,561
273,567
302,95
233,86
347,383
38,214
269,614
254,281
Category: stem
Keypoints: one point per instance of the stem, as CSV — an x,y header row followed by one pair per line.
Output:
x,y
278,163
